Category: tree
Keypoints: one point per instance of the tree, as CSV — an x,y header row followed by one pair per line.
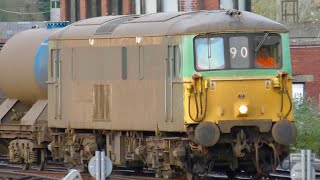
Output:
x,y
307,10
307,121
24,10
266,8
310,13
44,6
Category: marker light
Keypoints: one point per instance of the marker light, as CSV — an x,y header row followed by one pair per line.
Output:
x,y
243,109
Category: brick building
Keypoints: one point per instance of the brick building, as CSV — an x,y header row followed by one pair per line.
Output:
x,y
305,55
306,69
74,10
304,26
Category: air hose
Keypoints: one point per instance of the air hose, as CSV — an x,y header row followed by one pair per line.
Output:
x,y
201,113
289,98
284,90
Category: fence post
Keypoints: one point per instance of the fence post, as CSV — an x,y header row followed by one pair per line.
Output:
x,y
98,167
103,173
309,170
303,164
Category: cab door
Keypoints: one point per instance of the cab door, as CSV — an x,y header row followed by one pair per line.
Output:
x,y
168,84
173,89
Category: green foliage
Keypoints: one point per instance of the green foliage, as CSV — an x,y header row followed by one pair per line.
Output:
x,y
24,6
307,121
265,8
307,11
44,6
310,13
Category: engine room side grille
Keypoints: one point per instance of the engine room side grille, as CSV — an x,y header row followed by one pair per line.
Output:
x,y
101,102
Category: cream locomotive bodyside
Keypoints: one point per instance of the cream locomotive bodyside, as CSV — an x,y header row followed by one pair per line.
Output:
x,y
120,87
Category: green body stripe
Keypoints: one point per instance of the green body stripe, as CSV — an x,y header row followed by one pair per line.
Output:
x,y
188,62
286,53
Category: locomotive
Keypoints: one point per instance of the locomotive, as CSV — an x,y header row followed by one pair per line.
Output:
x,y
175,92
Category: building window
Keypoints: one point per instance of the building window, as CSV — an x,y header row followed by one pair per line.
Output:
x,y
68,11
298,91
150,6
140,7
290,10
146,6
133,7
55,4
154,6
115,7
169,5
244,5
77,10
73,11
93,8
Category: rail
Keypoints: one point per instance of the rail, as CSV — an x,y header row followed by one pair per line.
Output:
x,y
58,171
10,174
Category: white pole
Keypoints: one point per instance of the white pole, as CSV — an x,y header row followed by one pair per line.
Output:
x,y
98,167
103,173
309,171
303,164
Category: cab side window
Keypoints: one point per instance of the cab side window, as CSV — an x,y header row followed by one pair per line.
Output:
x,y
267,52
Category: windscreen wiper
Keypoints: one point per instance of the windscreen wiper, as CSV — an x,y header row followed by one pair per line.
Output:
x,y
209,47
209,50
261,42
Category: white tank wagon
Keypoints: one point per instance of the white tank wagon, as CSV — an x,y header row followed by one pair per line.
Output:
x,y
23,103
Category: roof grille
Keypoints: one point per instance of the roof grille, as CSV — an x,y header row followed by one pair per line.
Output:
x,y
109,27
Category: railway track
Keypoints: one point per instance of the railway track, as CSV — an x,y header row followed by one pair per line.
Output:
x,y
55,171
14,174
35,175
58,171
8,174
51,174
117,175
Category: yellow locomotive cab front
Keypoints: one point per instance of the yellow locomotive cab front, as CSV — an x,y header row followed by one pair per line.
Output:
x,y
239,97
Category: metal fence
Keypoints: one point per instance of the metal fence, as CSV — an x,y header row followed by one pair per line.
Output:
x,y
8,29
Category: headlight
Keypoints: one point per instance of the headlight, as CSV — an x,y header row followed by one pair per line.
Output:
x,y
243,109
